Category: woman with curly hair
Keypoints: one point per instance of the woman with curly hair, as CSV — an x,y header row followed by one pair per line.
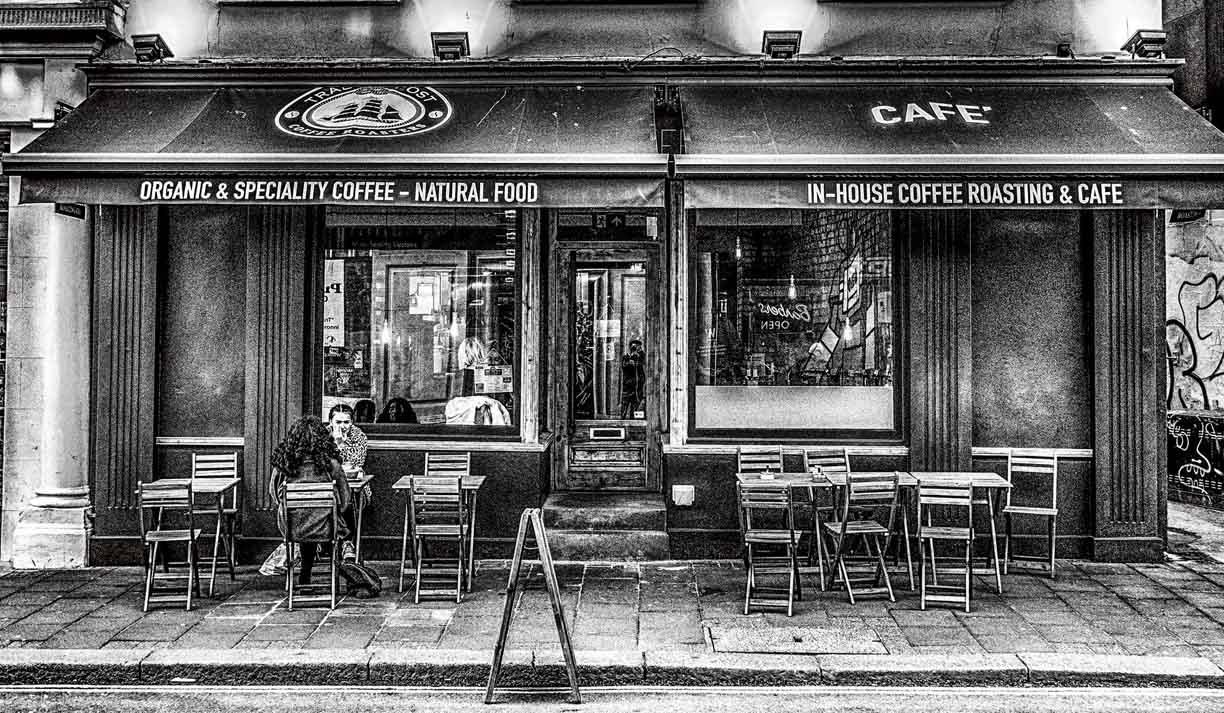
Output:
x,y
309,455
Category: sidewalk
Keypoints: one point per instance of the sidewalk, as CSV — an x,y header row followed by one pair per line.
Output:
x,y
677,623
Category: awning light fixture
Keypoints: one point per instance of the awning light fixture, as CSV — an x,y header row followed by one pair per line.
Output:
x,y
1148,44
450,45
150,48
781,44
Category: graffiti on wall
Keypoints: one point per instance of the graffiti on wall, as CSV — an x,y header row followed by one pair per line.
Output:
x,y
1194,315
1196,451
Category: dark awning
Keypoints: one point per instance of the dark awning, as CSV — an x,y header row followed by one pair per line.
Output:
x,y
232,133
737,136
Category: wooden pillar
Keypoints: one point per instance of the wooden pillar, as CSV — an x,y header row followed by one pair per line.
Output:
x,y
1129,381
125,360
529,328
677,268
940,337
278,283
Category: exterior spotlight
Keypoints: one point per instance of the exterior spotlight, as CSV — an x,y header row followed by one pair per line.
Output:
x,y
150,48
780,44
1148,44
450,45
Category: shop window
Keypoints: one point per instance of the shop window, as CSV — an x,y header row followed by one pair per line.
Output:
x,y
793,321
420,318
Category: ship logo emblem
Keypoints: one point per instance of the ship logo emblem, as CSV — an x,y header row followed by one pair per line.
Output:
x,y
371,112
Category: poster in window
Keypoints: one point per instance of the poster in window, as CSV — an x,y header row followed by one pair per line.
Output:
x,y
346,349
333,303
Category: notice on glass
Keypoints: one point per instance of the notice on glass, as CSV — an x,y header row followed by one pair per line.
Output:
x,y
493,380
333,303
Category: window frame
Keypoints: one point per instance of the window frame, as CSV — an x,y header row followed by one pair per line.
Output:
x,y
398,432
895,436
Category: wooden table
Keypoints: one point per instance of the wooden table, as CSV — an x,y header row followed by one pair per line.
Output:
x,y
357,482
469,485
984,481
218,487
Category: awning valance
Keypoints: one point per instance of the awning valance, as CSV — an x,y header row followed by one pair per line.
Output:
x,y
783,145
350,133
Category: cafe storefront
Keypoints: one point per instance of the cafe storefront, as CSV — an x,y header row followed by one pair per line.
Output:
x,y
924,261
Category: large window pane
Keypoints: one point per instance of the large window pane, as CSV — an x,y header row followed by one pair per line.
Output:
x,y
420,319
793,320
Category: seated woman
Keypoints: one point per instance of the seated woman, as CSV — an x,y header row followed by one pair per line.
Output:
x,y
397,410
309,455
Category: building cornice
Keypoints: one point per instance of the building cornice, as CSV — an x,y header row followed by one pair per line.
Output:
x,y
240,72
60,29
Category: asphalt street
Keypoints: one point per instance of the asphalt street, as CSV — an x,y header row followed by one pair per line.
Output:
x,y
623,700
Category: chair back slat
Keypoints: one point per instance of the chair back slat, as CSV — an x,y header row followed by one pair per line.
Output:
x,y
309,496
759,459
455,465
828,460
1033,474
769,499
951,499
214,465
438,500
158,499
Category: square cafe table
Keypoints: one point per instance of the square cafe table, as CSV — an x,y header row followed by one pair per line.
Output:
x,y
469,485
211,486
357,481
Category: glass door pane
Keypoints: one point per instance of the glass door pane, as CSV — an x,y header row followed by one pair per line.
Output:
x,y
609,359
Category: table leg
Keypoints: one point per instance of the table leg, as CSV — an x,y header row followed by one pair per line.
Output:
x,y
994,540
359,503
471,563
212,571
905,538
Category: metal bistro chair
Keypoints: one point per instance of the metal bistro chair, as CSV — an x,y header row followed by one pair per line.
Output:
x,y
158,502
220,465
953,501
437,465
300,500
767,521
867,496
437,515
1030,472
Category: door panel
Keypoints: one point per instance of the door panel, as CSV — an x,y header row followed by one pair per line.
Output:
x,y
607,352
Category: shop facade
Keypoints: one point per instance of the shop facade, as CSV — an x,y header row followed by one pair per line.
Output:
x,y
601,278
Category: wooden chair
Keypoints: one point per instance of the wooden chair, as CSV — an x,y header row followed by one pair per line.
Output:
x,y
952,501
1033,474
301,499
767,521
159,502
220,465
822,461
437,465
437,514
867,497
759,459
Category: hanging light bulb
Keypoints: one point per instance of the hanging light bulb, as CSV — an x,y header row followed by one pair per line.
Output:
x,y
386,332
739,251
847,333
792,292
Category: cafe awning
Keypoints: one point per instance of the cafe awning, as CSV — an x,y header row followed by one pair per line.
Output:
x,y
119,136
749,145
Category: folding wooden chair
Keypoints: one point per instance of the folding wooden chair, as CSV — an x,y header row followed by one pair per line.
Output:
x,y
437,465
952,502
867,497
300,500
159,502
822,461
767,521
225,466
759,459
1033,474
438,515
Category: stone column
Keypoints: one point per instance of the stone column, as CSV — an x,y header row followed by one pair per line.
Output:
x,y
46,494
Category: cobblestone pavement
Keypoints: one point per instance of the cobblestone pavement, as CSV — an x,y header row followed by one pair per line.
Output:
x,y
1171,609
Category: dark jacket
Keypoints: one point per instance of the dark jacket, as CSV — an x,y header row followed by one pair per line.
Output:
x,y
310,524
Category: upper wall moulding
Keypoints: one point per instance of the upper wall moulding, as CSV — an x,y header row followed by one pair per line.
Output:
x,y
106,16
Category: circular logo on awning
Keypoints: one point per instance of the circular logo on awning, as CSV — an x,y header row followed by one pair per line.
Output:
x,y
376,112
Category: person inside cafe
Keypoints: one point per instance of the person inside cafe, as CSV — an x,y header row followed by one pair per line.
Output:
x,y
308,454
397,410
364,411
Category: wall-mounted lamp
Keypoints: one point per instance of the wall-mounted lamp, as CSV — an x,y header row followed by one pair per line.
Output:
x,y
450,45
1148,44
150,48
780,44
